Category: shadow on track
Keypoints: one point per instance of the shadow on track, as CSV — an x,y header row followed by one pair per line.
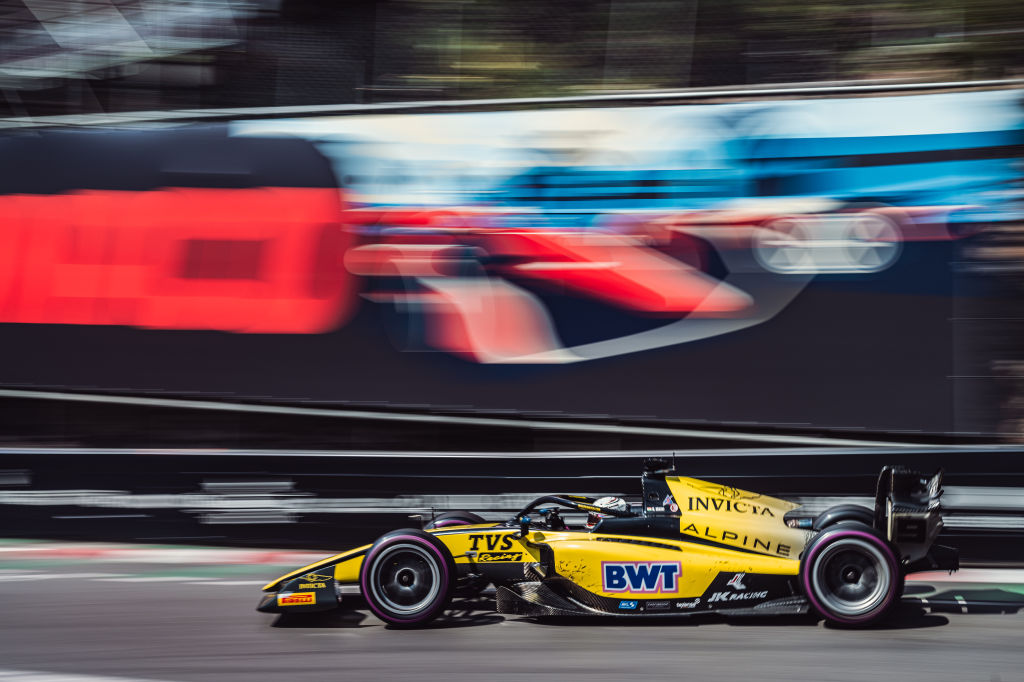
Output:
x,y
904,617
915,612
322,619
463,613
664,621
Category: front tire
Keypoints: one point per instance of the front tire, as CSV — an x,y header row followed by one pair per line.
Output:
x,y
471,587
407,578
851,575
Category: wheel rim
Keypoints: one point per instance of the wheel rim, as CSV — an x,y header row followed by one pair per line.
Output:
x,y
874,243
405,579
781,246
852,578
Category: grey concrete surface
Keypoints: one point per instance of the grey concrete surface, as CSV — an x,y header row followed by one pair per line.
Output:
x,y
191,623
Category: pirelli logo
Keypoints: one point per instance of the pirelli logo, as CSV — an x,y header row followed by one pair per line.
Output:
x,y
297,599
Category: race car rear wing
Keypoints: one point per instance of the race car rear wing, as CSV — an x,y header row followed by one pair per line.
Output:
x,y
907,511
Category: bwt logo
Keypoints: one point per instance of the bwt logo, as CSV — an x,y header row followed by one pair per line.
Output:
x,y
640,576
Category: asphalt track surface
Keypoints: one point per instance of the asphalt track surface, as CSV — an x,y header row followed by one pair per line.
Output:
x,y
90,621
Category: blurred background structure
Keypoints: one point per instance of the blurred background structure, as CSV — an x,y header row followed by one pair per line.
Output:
x,y
319,238
79,56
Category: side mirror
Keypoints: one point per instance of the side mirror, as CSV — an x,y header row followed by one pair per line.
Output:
x,y
524,525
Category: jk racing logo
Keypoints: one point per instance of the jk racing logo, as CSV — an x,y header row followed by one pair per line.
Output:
x,y
641,576
736,582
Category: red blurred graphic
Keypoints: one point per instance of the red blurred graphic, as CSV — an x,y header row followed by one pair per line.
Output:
x,y
264,260
474,282
292,260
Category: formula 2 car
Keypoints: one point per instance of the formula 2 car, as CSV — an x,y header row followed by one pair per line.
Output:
x,y
692,547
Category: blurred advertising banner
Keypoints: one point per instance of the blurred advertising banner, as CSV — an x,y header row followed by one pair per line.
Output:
x,y
795,262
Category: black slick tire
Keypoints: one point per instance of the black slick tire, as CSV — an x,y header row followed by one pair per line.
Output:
x,y
851,575
407,578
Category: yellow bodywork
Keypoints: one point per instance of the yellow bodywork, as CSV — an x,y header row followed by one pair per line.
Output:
x,y
348,564
732,530
734,517
491,544
342,559
581,557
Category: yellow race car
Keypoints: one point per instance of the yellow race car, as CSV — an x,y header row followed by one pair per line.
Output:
x,y
691,547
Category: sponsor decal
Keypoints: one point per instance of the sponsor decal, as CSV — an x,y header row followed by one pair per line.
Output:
x,y
640,576
316,577
736,596
492,541
688,604
737,506
670,504
297,599
311,586
736,582
655,509
719,490
658,606
749,541
499,556
628,605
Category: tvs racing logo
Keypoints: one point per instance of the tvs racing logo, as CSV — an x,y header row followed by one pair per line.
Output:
x,y
297,599
640,576
498,556
499,541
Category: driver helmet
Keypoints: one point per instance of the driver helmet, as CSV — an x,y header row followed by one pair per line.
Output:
x,y
616,503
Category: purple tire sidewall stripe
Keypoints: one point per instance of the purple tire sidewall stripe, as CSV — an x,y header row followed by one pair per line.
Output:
x,y
364,578
806,578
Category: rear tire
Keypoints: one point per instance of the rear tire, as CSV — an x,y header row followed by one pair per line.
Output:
x,y
407,578
851,575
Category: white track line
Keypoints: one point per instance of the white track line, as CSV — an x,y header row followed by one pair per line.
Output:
x,y
160,555
151,579
124,578
7,675
229,582
50,576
